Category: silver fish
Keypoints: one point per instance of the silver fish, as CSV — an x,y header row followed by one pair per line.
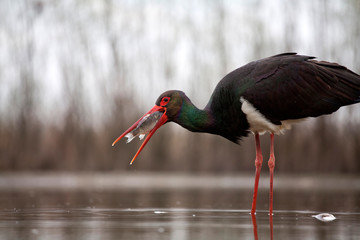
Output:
x,y
146,124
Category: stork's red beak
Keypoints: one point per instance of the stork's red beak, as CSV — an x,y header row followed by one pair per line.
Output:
x,y
163,119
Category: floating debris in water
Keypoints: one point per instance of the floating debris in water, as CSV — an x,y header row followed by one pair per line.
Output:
x,y
159,212
325,217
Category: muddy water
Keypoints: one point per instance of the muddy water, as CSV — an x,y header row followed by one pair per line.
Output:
x,y
56,207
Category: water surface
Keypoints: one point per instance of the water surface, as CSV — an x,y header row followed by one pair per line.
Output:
x,y
58,207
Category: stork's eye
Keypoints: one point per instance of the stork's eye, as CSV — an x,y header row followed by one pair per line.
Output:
x,y
164,101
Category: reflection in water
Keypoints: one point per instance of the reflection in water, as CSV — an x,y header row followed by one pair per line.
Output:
x,y
271,226
171,214
173,207
176,223
253,218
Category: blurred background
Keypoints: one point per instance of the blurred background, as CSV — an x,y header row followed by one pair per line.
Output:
x,y
75,74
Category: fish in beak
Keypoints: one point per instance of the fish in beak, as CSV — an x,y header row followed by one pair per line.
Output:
x,y
147,124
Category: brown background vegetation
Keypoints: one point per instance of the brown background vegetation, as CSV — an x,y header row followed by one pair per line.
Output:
x,y
67,118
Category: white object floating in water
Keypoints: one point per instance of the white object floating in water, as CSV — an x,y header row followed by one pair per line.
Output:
x,y
325,217
159,212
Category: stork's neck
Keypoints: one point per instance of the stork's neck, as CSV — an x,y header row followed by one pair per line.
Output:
x,y
194,119
214,118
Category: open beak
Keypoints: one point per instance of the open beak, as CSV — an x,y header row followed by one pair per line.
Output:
x,y
163,119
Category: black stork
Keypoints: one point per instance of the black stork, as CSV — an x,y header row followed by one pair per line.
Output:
x,y
267,95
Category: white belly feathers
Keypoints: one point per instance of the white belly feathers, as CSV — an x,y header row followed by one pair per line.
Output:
x,y
258,122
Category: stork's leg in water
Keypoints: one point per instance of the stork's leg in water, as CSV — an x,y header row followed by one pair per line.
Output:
x,y
271,164
258,163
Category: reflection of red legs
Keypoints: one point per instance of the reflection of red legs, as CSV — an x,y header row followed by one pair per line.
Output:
x,y
271,164
253,218
271,227
258,163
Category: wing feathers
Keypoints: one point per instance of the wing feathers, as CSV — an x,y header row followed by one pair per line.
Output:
x,y
294,86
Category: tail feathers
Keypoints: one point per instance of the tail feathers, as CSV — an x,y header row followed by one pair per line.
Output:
x,y
349,86
345,83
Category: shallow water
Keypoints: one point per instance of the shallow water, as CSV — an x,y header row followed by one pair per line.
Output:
x,y
51,208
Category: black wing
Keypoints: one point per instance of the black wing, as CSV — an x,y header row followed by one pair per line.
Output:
x,y
290,86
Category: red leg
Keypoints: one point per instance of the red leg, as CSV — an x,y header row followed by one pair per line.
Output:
x,y
258,163
271,164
